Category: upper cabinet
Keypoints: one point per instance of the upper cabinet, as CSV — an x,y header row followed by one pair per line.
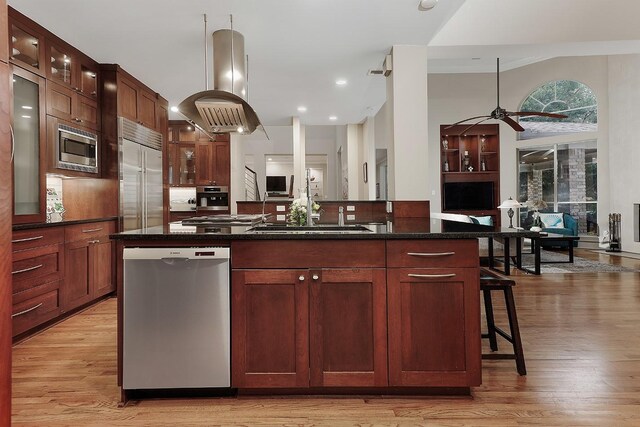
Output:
x,y
26,44
69,67
141,105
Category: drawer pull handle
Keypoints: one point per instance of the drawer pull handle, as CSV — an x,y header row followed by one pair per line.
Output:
x,y
94,241
24,270
428,254
432,276
20,313
28,239
315,277
92,230
301,278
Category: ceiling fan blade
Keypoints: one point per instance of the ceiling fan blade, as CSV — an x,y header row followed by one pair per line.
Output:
x,y
475,124
515,125
536,113
466,120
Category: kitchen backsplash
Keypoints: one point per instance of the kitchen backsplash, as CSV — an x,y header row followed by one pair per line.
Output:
x,y
182,199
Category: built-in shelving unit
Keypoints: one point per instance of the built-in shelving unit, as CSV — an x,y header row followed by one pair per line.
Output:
x,y
470,157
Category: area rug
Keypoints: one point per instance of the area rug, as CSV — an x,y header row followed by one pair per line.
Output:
x,y
580,265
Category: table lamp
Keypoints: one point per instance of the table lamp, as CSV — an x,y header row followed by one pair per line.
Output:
x,y
510,204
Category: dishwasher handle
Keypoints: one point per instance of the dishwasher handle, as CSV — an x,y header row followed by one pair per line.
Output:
x,y
198,253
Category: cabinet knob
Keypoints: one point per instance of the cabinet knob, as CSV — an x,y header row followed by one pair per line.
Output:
x,y
77,120
301,278
315,277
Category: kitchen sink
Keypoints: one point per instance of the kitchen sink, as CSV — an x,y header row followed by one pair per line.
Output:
x,y
278,228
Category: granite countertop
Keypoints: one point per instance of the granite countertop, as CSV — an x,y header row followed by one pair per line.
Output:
x,y
59,224
405,228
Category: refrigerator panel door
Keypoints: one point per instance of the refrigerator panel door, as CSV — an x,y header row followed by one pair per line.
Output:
x,y
131,186
153,187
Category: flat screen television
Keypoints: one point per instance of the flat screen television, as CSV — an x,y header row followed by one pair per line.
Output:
x,y
468,196
277,184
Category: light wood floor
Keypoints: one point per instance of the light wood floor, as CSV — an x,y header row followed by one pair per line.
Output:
x,y
581,337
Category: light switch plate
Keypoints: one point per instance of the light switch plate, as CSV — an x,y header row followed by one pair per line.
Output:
x,y
281,208
351,208
351,217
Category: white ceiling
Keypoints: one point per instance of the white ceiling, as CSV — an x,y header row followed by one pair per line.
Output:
x,y
298,48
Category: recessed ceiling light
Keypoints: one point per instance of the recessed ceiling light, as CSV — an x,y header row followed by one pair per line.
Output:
x,y
174,109
333,118
302,109
27,107
341,82
26,117
269,159
427,4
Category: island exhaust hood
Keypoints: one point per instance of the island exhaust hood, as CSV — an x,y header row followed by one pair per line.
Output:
x,y
223,109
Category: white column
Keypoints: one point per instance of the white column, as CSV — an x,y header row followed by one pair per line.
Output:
x,y
368,189
237,171
299,153
408,160
354,173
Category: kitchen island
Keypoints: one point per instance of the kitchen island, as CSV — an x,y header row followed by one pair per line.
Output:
x,y
393,309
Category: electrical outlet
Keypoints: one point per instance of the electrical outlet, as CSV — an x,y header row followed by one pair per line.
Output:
x,y
351,217
281,208
351,208
281,217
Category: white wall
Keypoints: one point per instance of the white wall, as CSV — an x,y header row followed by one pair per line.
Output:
x,y
322,140
624,156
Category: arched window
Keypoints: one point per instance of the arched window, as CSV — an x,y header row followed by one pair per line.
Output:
x,y
569,97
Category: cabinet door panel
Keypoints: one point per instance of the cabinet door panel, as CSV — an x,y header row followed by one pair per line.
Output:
x,y
127,99
147,109
86,112
434,333
221,164
348,341
60,101
204,159
101,255
76,287
270,330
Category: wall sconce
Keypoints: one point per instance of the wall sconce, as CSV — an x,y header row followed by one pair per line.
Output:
x,y
511,205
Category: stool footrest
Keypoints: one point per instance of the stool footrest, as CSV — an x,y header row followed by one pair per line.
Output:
x,y
498,356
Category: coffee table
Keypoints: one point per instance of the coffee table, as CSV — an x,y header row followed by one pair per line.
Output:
x,y
536,243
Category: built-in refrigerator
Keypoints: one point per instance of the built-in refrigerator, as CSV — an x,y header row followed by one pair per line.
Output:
x,y
140,155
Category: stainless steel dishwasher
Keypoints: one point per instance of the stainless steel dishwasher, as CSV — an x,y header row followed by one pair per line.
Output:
x,y
176,316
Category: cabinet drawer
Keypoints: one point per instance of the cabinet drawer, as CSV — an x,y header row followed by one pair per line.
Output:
x,y
35,311
432,253
90,230
37,266
26,239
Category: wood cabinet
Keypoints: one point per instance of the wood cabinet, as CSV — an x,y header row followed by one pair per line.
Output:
x,y
38,268
29,135
348,328
320,316
88,263
66,104
472,157
433,313
26,43
197,159
139,104
270,329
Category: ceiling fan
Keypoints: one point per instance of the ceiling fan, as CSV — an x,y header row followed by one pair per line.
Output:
x,y
502,114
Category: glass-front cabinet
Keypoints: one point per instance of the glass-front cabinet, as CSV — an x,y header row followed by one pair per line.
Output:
x,y
61,65
182,164
26,47
28,125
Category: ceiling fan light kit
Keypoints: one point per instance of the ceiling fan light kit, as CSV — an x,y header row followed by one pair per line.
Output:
x,y
502,114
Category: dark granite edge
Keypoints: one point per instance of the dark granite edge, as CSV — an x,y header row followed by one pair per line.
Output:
x,y
319,236
58,224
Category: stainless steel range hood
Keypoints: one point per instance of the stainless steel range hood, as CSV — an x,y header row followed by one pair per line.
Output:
x,y
224,109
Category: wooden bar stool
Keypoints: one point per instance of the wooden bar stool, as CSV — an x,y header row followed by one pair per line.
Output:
x,y
491,280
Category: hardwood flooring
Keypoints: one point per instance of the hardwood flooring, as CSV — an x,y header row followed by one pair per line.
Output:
x,y
581,336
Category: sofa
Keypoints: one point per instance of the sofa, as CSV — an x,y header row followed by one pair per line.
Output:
x,y
557,223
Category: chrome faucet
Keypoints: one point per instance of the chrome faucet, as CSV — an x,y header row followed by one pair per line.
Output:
x,y
309,201
264,201
341,216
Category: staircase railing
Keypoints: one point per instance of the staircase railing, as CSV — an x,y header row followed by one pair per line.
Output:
x,y
251,190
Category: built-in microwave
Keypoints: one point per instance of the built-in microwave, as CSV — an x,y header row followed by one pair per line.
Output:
x,y
76,149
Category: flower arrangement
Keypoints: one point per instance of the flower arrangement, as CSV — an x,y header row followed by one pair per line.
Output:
x,y
298,211
536,205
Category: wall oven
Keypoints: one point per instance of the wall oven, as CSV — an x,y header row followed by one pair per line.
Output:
x,y
76,149
212,198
